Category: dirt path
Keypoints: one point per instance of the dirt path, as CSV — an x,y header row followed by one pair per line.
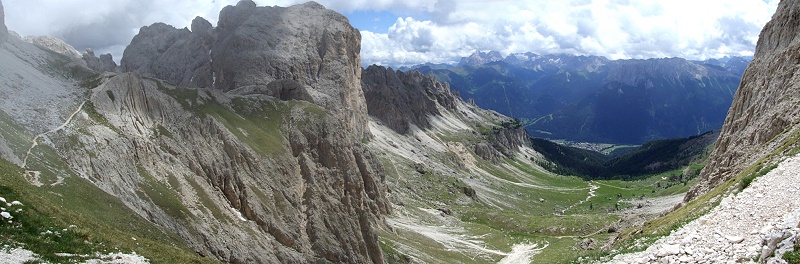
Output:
x,y
33,176
592,189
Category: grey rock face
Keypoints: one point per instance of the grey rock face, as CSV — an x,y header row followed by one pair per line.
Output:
x,y
502,143
252,46
178,56
399,99
764,111
316,196
312,197
105,63
3,29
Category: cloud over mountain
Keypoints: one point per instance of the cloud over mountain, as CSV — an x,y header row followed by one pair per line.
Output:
x,y
444,30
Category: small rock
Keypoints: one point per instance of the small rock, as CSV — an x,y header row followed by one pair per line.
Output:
x,y
587,244
445,211
419,167
734,239
669,250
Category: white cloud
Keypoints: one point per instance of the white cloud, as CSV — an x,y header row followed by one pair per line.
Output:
x,y
613,28
445,30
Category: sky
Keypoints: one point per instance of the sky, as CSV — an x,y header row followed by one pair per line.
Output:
x,y
410,32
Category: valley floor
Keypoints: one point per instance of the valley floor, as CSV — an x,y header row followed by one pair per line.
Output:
x,y
759,223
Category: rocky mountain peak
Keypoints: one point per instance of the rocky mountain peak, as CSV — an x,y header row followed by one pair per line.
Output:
x,y
764,112
105,63
201,26
314,49
480,58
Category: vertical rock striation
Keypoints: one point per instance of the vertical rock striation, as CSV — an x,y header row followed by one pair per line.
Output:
x,y
764,112
401,99
307,188
252,47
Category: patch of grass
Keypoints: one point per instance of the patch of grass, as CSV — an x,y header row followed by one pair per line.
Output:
x,y
391,255
162,131
163,196
90,110
256,123
32,229
207,203
792,257
17,138
103,223
59,65
548,224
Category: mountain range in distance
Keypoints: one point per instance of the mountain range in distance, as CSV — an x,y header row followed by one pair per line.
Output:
x,y
594,99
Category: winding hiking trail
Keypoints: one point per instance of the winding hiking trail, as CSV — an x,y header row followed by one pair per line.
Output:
x,y
592,189
33,176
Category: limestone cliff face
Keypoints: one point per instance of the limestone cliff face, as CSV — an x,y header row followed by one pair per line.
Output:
x,y
252,47
765,109
178,56
260,140
502,142
3,29
401,99
244,179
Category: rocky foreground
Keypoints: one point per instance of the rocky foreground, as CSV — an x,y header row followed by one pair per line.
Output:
x,y
758,224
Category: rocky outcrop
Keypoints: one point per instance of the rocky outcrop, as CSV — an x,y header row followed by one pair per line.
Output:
x,y
503,142
401,99
764,112
54,44
105,63
178,56
479,58
251,47
302,192
3,29
260,140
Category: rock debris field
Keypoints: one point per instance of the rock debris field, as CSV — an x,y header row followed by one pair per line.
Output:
x,y
758,224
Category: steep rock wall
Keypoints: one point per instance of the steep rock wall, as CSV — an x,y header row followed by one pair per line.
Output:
x,y
267,126
400,100
3,29
178,56
184,159
764,111
251,47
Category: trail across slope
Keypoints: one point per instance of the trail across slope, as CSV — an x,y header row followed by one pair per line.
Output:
x,y
33,176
